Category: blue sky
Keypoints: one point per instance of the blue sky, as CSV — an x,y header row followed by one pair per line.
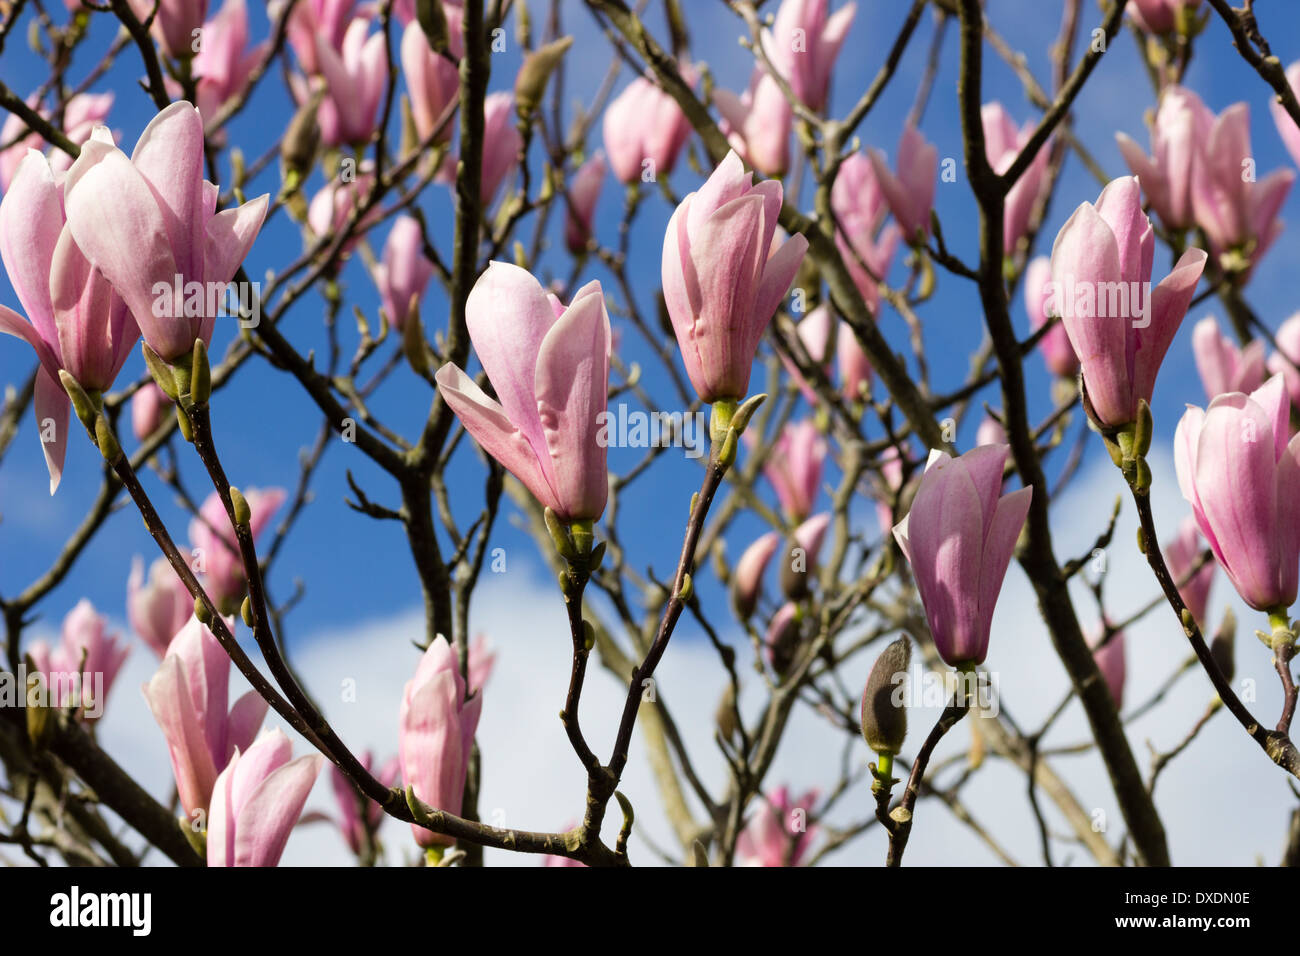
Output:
x,y
354,568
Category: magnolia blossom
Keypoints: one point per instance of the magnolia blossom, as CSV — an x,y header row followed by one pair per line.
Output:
x,y
177,24
358,814
1222,365
257,800
1285,360
757,123
910,193
437,734
854,365
1286,126
313,20
224,60
1242,477
584,192
644,130
1181,128
1181,553
188,696
502,144
1119,326
747,578
959,537
79,671
355,79
332,207
724,275
150,225
859,205
1238,213
549,366
816,334
794,467
1003,142
404,271
779,832
802,551
431,79
1055,345
803,43
75,320
213,538
990,432
81,114
1160,16
149,408
157,608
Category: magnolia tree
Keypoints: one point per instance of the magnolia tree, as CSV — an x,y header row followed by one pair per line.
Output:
x,y
882,373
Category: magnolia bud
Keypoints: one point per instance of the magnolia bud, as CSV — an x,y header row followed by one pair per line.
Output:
x,y
530,84
1221,648
884,722
433,21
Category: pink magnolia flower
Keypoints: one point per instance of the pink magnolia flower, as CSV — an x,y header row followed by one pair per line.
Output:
x,y
1159,16
502,144
816,333
188,696
799,566
149,406
724,276
854,365
1002,144
778,834
803,43
79,671
1181,553
404,271
1238,214
332,207
1222,365
747,579
437,734
482,661
1182,125
584,193
959,537
176,26
159,608
433,81
783,636
81,115
352,823
1120,328
757,123
224,60
257,801
910,193
213,537
150,225
355,80
312,19
990,432
1242,478
75,321
1057,351
858,203
1110,661
1286,126
550,368
644,130
794,467
891,474
1284,361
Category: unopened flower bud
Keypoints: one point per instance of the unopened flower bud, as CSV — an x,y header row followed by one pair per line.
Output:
x,y
884,723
